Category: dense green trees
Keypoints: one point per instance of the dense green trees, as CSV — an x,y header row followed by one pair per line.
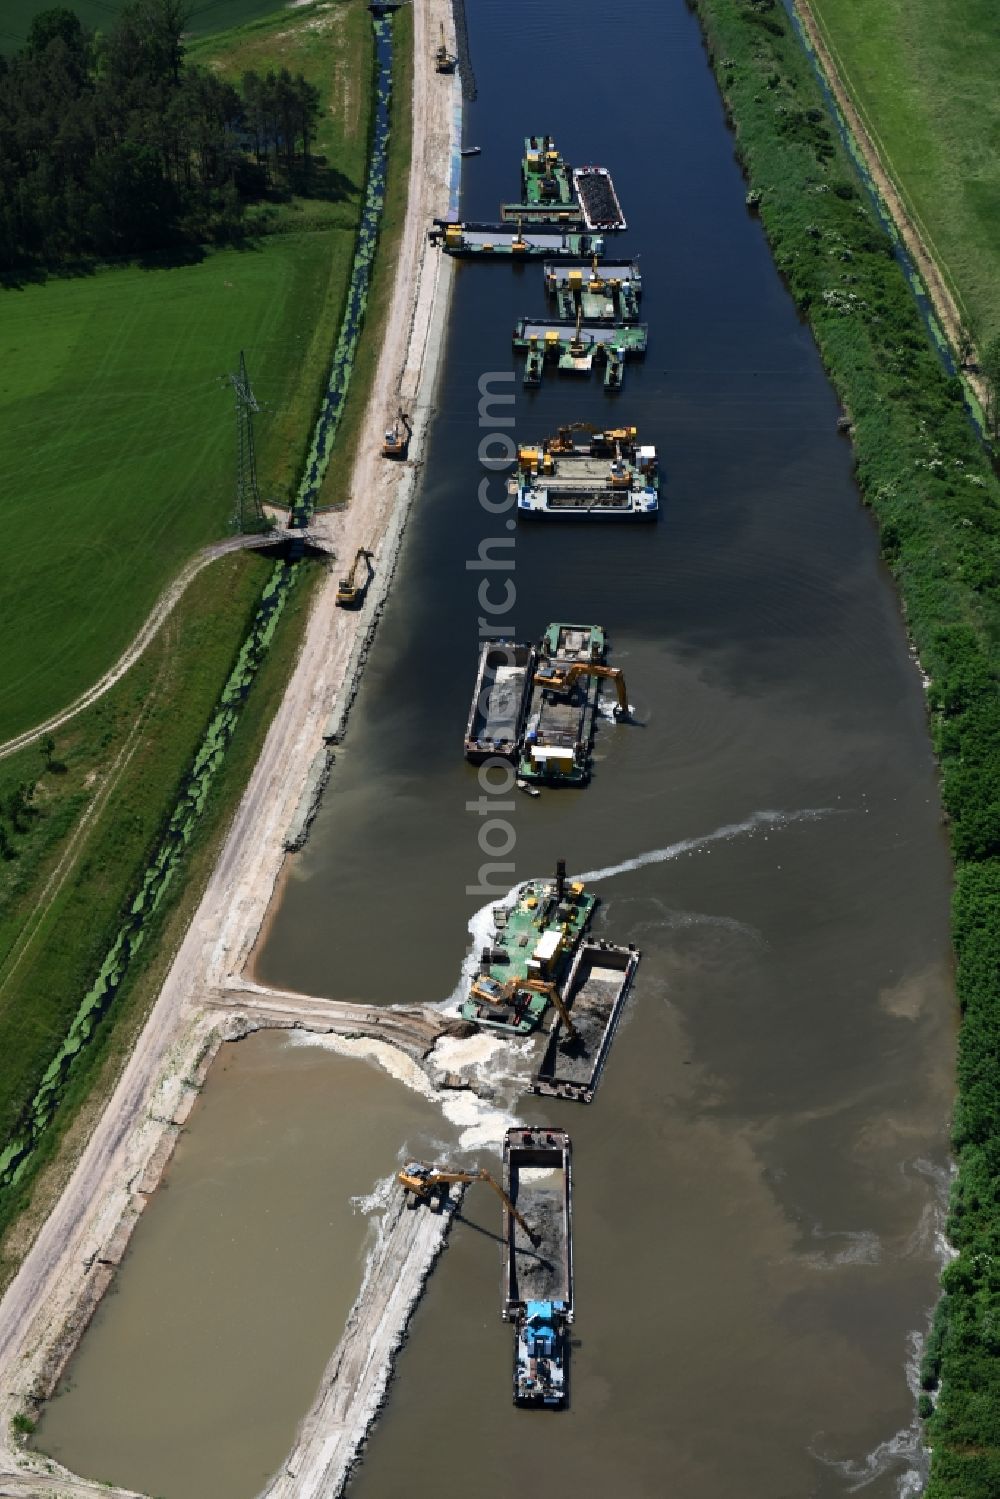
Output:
x,y
112,144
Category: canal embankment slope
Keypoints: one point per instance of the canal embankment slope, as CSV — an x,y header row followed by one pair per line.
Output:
x,y
929,483
49,1302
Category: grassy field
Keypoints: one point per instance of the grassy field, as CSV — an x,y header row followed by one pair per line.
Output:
x,y
204,16
116,427
925,79
61,897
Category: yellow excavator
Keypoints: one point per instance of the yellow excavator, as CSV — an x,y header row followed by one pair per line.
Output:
x,y
425,1182
559,678
350,590
397,437
443,60
492,992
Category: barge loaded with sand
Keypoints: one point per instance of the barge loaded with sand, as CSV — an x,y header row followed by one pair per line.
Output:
x,y
537,1281
529,952
589,474
596,991
500,701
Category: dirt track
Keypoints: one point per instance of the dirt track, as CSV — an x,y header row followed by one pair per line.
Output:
x,y
205,997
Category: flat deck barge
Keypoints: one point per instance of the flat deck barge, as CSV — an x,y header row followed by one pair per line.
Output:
x,y
530,951
596,991
600,296
546,177
606,475
625,271
574,349
500,701
538,1179
598,199
569,214
527,242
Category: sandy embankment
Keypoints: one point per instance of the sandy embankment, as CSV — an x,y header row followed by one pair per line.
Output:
x,y
205,998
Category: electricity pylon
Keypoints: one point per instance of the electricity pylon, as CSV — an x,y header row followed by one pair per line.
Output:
x,y
248,514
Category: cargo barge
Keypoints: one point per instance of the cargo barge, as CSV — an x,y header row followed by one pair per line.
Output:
x,y
529,952
562,710
520,242
598,199
537,1281
596,991
598,294
574,348
500,701
608,475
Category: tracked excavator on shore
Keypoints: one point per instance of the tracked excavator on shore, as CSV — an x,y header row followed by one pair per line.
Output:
x,y
426,1182
351,590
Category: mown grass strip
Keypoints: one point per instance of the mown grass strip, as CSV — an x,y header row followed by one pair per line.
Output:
x,y
927,478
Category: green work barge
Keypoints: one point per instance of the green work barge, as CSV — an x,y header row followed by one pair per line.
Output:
x,y
530,951
574,348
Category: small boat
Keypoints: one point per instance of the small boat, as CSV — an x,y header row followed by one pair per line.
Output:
x,y
523,786
470,150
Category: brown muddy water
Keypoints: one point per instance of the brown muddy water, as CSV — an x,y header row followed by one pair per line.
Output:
x,y
208,1350
760,1181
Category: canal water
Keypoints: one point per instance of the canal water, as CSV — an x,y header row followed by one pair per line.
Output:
x,y
760,1181
208,1350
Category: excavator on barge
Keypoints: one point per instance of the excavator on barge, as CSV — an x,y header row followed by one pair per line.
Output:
x,y
556,677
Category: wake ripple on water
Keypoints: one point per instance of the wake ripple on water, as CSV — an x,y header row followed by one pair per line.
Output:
x,y
724,834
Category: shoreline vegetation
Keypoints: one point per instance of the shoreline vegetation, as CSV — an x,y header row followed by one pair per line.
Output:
x,y
927,479
32,1178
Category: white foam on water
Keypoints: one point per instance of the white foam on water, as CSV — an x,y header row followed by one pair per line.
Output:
x,y
377,1200
858,1247
455,1053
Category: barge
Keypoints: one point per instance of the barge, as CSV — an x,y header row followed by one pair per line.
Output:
x,y
531,948
625,271
546,177
559,729
568,215
520,242
537,1281
598,199
574,349
596,991
500,701
600,295
601,476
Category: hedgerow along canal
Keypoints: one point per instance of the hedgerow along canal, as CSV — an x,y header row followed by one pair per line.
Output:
x,y
759,1182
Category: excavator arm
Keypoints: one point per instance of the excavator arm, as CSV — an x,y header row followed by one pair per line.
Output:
x,y
562,681
423,1181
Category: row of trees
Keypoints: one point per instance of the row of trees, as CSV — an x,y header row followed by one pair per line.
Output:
x,y
113,144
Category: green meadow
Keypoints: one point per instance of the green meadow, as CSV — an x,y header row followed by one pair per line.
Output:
x,y
117,433
203,16
926,79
